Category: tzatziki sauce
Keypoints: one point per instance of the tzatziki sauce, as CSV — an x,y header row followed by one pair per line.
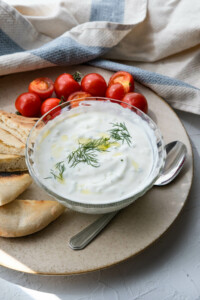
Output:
x,y
98,152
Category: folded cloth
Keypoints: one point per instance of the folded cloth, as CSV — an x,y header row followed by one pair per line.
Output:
x,y
179,94
162,53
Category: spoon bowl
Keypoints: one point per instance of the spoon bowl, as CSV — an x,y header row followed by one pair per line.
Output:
x,y
176,156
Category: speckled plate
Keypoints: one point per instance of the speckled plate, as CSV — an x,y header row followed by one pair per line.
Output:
x,y
131,231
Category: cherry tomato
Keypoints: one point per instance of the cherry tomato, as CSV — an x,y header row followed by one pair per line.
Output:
x,y
42,86
137,100
125,78
115,91
49,104
94,84
28,104
76,96
65,85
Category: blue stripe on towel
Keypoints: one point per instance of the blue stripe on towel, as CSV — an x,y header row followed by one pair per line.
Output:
x,y
107,10
66,51
7,45
142,76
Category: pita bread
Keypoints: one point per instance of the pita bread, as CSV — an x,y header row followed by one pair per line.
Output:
x,y
18,126
24,217
9,144
12,185
11,163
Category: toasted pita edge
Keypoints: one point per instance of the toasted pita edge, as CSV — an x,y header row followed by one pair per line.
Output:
x,y
12,185
18,126
9,139
24,217
7,149
12,163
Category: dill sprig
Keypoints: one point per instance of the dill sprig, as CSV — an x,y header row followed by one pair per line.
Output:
x,y
58,172
86,152
120,133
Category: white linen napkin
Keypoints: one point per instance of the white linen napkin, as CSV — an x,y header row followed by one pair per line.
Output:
x,y
158,43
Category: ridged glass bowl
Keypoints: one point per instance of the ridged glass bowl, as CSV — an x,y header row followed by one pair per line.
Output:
x,y
158,150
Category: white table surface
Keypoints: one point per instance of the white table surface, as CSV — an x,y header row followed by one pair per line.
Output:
x,y
168,269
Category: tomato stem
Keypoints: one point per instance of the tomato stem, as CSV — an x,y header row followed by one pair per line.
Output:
x,y
18,113
77,76
62,100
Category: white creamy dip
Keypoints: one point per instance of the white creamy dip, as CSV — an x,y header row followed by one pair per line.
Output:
x,y
121,167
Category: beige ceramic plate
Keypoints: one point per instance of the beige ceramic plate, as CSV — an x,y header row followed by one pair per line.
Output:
x,y
131,231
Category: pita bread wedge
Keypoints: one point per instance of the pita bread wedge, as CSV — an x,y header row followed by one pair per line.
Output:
x,y
18,126
9,144
11,163
12,185
24,217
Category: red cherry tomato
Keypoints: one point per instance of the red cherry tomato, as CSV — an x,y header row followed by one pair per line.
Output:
x,y
125,78
137,100
94,84
65,85
49,104
115,91
76,96
42,86
28,104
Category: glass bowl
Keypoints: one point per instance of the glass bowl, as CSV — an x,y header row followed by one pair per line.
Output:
x,y
105,205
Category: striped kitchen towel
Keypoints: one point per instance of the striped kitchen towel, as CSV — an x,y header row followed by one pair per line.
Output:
x,y
97,32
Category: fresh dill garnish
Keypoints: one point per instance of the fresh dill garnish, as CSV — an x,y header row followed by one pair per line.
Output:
x,y
100,144
119,132
60,167
86,152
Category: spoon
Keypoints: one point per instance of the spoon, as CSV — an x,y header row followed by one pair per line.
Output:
x,y
176,155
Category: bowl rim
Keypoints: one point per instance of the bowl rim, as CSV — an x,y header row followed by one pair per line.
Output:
x,y
85,204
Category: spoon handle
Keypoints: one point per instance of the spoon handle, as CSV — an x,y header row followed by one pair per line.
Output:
x,y
84,237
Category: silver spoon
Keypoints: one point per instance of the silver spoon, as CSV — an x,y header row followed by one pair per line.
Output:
x,y
176,155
